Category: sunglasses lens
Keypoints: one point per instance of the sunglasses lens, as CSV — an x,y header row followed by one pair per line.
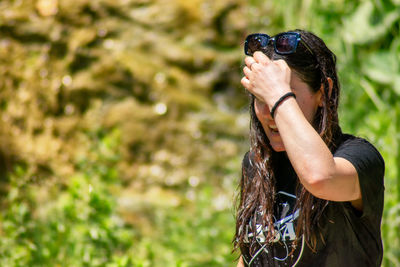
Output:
x,y
255,42
286,43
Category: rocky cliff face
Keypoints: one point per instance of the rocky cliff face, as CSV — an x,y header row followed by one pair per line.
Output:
x,y
164,73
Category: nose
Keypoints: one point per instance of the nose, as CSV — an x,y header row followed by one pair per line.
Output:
x,y
262,110
268,114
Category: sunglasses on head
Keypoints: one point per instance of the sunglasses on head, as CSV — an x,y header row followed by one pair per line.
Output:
x,y
284,43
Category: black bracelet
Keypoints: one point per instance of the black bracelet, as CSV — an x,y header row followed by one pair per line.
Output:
x,y
280,101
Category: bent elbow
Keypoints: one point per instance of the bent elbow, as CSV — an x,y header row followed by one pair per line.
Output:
x,y
316,184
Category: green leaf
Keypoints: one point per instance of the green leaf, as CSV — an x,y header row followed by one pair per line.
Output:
x,y
381,66
359,29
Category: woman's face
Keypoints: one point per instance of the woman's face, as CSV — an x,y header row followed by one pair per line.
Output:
x,y
307,100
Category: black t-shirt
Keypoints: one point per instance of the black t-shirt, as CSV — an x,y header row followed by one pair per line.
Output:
x,y
350,238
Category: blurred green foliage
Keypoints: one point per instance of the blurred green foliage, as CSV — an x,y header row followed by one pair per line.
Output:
x,y
123,122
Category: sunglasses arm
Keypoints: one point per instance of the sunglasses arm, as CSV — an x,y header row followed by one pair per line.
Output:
x,y
308,48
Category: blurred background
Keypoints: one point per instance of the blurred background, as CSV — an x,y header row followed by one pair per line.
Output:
x,y
123,122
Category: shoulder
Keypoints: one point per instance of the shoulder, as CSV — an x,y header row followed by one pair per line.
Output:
x,y
370,168
359,152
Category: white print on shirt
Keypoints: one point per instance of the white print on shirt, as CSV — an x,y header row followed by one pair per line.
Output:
x,y
284,227
284,230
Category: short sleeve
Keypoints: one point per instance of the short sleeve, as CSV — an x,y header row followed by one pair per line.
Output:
x,y
370,167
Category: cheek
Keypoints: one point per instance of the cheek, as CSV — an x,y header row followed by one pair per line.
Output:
x,y
309,107
261,110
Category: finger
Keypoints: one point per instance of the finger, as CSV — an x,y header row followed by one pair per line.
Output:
x,y
245,82
247,72
283,66
281,63
249,61
261,58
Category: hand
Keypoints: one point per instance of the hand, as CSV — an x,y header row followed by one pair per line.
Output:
x,y
267,80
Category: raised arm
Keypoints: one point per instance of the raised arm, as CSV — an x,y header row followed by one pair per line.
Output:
x,y
321,174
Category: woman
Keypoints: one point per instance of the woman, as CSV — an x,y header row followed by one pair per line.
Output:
x,y
309,195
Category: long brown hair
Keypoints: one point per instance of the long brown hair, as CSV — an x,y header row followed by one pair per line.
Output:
x,y
257,185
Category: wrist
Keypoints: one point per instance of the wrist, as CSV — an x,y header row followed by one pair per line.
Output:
x,y
272,99
279,101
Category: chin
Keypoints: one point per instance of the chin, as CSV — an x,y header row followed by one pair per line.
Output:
x,y
278,148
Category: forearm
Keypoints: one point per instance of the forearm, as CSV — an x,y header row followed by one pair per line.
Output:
x,y
321,174
308,153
